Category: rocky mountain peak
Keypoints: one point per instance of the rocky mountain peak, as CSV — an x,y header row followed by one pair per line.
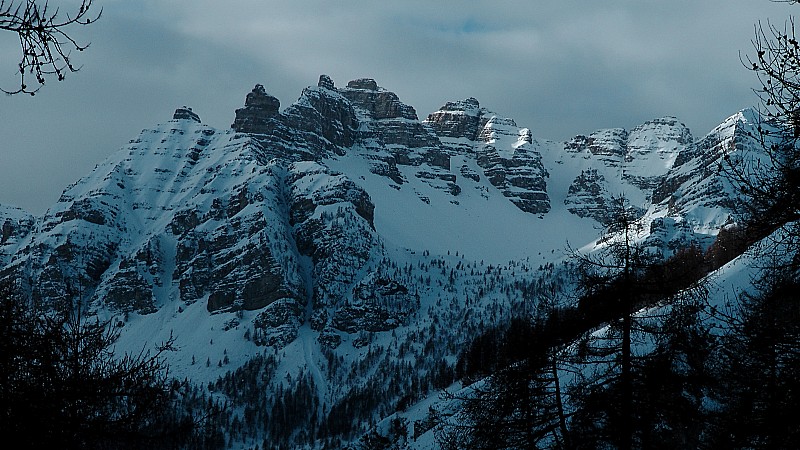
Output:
x,y
259,108
495,127
326,82
367,84
376,102
745,120
695,177
659,134
470,106
327,120
185,113
458,119
652,149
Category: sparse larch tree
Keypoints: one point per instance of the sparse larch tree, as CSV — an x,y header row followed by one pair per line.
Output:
x,y
770,182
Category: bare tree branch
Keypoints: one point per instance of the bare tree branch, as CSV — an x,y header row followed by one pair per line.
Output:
x,y
45,43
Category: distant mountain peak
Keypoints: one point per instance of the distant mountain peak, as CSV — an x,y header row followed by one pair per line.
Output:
x,y
259,108
186,113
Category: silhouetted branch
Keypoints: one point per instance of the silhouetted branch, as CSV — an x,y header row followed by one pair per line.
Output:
x,y
45,44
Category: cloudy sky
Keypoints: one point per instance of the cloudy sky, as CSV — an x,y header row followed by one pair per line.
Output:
x,y
560,68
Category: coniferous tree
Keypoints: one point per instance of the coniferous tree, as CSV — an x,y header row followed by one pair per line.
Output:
x,y
614,285
759,370
676,376
518,405
62,386
636,360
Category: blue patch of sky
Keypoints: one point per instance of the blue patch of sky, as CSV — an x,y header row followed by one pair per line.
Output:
x,y
471,25
452,26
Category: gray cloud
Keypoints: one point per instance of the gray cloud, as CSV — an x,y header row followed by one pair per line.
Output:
x,y
560,68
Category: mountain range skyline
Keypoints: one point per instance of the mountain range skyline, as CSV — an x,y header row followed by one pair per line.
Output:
x,y
560,70
312,237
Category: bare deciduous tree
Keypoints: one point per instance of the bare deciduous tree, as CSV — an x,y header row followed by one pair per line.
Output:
x,y
768,179
46,44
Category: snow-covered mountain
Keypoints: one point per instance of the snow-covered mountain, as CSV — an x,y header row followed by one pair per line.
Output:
x,y
351,242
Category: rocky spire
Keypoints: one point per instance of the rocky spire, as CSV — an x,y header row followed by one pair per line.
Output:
x,y
461,119
326,82
367,84
259,107
185,113
379,103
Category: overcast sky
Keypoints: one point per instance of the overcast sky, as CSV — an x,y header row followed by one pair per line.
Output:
x,y
561,68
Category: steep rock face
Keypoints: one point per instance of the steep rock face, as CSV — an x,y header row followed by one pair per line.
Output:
x,y
320,123
15,226
333,224
652,149
521,178
259,110
457,120
130,286
634,164
517,171
588,196
506,153
378,102
323,113
696,192
390,122
213,259
76,243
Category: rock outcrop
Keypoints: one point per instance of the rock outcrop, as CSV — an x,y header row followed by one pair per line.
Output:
x,y
457,120
390,122
15,225
506,153
186,113
588,196
258,113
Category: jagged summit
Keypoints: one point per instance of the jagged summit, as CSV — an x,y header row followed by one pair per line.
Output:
x,y
377,102
459,119
186,113
326,82
259,108
364,84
